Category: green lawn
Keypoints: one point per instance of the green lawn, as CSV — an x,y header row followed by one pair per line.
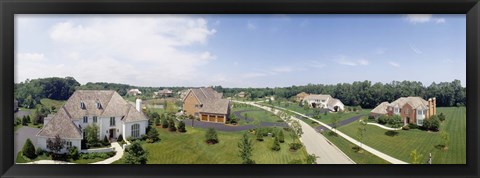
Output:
x,y
190,148
49,103
257,114
347,147
401,145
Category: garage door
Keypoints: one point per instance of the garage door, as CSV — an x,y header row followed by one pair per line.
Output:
x,y
204,117
221,119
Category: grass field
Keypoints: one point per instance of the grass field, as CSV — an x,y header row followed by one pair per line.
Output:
x,y
49,103
400,146
258,115
190,148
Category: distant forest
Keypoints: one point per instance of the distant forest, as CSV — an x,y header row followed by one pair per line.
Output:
x,y
364,94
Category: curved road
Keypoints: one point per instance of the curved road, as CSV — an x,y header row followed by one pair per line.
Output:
x,y
341,123
316,143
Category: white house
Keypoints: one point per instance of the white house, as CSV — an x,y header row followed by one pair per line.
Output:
x,y
104,108
324,101
134,92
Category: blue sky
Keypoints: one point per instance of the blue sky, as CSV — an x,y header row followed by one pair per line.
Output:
x,y
241,50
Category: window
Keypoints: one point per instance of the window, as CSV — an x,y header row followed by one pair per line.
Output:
x,y
407,111
112,121
420,112
135,130
68,144
420,122
82,105
94,119
397,110
85,119
99,106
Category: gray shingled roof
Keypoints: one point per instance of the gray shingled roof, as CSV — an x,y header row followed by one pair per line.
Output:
x,y
381,108
212,101
112,104
61,125
414,101
317,97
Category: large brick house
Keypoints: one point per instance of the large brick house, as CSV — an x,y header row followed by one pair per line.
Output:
x,y
411,109
206,104
105,108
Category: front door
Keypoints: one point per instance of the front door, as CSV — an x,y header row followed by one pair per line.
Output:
x,y
112,133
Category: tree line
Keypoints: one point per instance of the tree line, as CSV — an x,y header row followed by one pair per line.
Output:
x,y
364,93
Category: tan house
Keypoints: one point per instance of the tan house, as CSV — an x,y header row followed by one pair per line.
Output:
x,y
412,110
165,93
241,94
324,101
206,104
299,97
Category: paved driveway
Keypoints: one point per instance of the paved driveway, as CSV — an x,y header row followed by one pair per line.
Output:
x,y
21,135
341,123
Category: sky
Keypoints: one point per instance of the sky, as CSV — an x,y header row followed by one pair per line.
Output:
x,y
241,50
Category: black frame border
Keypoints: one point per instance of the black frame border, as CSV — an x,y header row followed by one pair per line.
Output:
x,y
10,7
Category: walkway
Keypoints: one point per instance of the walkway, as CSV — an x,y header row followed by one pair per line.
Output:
x,y
382,126
110,160
317,144
350,139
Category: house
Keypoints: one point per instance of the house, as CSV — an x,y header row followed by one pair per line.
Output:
x,y
241,94
134,92
412,110
182,94
105,108
206,104
324,101
299,97
15,105
165,93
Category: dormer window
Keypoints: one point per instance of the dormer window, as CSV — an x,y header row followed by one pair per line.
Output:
x,y
99,106
82,105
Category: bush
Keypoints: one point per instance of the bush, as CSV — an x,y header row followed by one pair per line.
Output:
x,y
73,153
281,137
435,126
441,117
130,139
152,136
259,136
164,123
39,151
171,126
211,136
383,119
135,154
181,127
371,118
143,137
157,121
426,124
276,145
120,138
295,146
413,126
395,121
105,141
28,149
406,127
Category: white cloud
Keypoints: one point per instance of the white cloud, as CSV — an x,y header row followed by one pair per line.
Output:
x,y
135,49
415,49
394,64
423,18
251,26
344,60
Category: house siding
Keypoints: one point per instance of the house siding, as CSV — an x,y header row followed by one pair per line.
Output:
x,y
189,104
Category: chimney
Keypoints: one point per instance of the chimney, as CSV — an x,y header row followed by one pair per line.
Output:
x,y
138,105
429,112
434,101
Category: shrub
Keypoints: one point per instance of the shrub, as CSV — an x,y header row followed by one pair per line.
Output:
x,y
130,139
105,141
152,136
135,154
259,136
295,146
281,137
406,127
171,126
435,126
143,137
164,123
39,151
426,124
383,119
211,136
73,153
157,121
120,138
395,121
276,145
28,149
181,127
413,126
370,118
441,117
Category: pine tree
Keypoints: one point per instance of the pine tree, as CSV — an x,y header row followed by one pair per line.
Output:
x,y
28,149
276,144
181,126
246,148
281,137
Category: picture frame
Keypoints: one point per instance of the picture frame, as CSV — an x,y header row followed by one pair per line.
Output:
x,y
8,9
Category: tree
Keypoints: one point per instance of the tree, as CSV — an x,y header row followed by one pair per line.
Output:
x,y
165,123
276,145
24,121
441,117
73,153
211,136
171,126
153,136
281,137
312,159
445,139
415,157
362,128
135,154
435,125
157,121
245,149
28,149
91,135
297,129
383,119
181,126
259,135
56,144
395,121
105,140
